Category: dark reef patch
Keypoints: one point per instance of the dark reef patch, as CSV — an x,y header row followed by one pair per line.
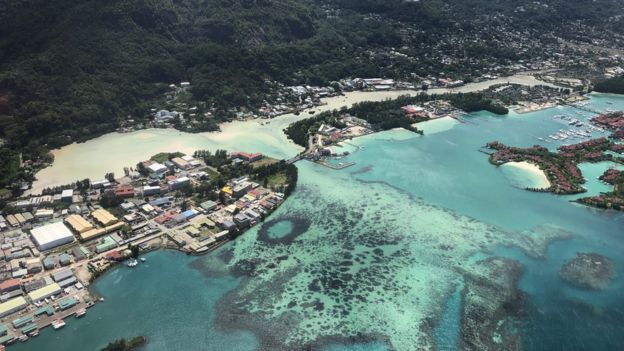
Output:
x,y
300,225
588,271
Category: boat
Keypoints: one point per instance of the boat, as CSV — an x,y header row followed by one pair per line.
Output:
x,y
33,333
23,338
58,323
81,312
101,299
132,263
142,259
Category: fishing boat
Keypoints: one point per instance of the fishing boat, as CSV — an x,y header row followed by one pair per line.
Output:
x,y
81,312
132,263
33,333
142,259
58,323
23,338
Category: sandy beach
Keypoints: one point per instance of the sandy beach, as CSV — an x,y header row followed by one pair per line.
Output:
x,y
538,177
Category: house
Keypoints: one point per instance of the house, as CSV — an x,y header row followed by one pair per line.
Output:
x,y
209,205
241,220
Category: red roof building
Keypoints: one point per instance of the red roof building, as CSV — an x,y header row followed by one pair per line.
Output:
x,y
9,285
125,191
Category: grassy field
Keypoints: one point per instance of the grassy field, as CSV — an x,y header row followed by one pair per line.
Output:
x,y
264,162
165,156
277,181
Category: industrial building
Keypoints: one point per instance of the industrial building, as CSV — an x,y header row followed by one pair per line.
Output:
x,y
104,217
51,235
78,223
46,291
12,306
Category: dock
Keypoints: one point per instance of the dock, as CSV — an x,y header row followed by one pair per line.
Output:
x,y
336,167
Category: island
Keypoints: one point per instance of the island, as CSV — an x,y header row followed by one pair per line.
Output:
x,y
588,271
561,167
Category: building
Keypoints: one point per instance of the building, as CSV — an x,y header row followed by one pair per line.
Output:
x,y
12,306
44,214
80,252
241,220
181,163
67,196
33,266
45,292
157,169
62,275
247,157
67,303
105,244
78,223
125,191
104,217
51,235
209,205
9,285
179,183
151,190
239,190
64,259
48,263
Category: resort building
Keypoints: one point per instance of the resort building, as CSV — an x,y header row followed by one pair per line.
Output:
x,y
51,235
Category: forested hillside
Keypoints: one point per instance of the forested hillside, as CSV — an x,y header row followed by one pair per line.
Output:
x,y
72,69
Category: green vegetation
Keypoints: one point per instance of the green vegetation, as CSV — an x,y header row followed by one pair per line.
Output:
x,y
165,156
612,85
126,345
218,159
385,115
473,102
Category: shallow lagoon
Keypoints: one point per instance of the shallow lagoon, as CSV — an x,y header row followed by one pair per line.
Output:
x,y
373,255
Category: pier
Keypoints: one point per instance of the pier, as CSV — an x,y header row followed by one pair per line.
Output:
x,y
584,108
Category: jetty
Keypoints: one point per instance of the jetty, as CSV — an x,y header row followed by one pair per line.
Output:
x,y
583,108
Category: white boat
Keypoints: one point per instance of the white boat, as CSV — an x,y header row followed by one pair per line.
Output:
x,y
132,263
58,323
23,338
33,333
81,312
142,259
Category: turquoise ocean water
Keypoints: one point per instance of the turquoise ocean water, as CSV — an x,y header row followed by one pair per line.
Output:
x,y
371,256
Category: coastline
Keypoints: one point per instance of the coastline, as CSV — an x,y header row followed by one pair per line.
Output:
x,y
538,174
113,151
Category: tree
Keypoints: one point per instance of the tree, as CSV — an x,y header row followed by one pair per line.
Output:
x,y
109,200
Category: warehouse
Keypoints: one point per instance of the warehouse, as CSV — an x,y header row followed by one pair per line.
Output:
x,y
12,306
51,235
44,292
104,217
78,223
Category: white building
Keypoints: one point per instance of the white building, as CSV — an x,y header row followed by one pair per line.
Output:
x,y
51,235
157,168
